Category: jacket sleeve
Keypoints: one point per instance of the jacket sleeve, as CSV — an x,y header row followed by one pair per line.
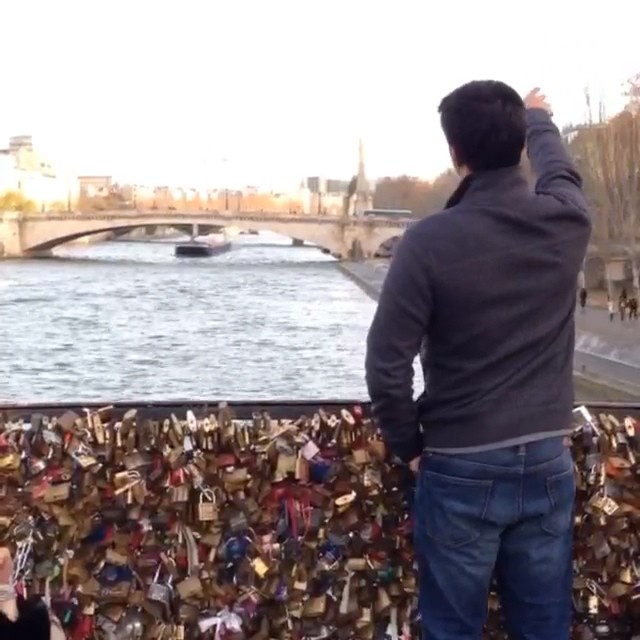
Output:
x,y
550,161
395,337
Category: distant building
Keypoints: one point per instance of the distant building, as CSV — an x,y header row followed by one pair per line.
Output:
x,y
337,186
20,142
317,184
136,194
331,196
324,196
92,186
25,170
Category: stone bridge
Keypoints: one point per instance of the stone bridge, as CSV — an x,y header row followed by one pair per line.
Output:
x,y
24,235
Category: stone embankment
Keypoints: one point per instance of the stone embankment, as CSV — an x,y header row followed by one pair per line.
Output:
x,y
607,356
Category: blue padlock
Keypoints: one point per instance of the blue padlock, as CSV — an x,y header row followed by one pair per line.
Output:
x,y
236,548
113,574
319,471
330,553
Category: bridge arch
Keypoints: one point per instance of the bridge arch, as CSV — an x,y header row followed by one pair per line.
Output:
x,y
38,237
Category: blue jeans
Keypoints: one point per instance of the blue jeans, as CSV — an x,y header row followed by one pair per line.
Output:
x,y
511,510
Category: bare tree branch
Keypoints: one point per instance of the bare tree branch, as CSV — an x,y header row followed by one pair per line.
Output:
x,y
607,152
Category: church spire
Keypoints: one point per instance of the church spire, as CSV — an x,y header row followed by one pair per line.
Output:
x,y
363,195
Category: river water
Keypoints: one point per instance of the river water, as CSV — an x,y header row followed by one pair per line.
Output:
x,y
123,321
129,321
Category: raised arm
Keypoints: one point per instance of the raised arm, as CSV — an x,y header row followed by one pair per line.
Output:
x,y
550,160
397,331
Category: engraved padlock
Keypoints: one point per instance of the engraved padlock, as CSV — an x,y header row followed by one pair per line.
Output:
x,y
207,507
161,592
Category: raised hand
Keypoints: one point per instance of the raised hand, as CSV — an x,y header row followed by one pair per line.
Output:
x,y
535,99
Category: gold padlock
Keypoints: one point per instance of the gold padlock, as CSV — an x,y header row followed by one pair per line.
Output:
x,y
190,587
260,567
57,492
207,507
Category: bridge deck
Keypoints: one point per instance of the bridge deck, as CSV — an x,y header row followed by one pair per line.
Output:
x,y
252,216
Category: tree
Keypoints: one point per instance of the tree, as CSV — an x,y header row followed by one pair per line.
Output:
x,y
607,152
440,191
419,196
624,132
15,201
632,92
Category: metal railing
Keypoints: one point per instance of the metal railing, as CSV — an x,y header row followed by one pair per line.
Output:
x,y
242,409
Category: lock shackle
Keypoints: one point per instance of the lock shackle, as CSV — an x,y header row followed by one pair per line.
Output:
x,y
133,478
594,588
162,568
208,493
255,542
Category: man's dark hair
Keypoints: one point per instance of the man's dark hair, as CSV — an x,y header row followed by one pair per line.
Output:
x,y
484,123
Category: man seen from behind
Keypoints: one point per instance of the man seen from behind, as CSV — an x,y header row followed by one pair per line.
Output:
x,y
485,291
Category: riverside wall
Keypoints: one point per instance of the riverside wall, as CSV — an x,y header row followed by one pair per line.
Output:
x,y
607,367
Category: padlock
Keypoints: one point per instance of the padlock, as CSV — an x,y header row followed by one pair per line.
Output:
x,y
348,524
189,587
161,592
207,507
179,494
57,492
260,567
238,522
135,461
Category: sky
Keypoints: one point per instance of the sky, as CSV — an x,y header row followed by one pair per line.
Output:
x,y
265,92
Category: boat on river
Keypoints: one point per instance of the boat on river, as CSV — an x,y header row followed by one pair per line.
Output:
x,y
197,249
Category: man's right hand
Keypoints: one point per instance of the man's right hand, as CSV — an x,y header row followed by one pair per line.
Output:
x,y
535,99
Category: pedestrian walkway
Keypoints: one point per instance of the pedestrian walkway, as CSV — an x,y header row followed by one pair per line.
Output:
x,y
607,356
595,320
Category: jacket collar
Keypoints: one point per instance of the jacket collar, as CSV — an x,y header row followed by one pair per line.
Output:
x,y
483,182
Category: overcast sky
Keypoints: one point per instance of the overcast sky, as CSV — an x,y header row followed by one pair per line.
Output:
x,y
161,91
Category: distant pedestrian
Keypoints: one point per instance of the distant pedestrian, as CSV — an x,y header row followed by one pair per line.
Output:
x,y
611,308
583,297
632,305
622,306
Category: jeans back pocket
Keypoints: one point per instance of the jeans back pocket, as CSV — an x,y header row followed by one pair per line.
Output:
x,y
450,509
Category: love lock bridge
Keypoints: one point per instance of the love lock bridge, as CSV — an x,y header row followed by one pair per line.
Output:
x,y
24,235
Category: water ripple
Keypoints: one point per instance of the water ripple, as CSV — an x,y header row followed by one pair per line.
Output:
x,y
118,321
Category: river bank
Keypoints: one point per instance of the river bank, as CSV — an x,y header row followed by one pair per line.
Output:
x,y
600,352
